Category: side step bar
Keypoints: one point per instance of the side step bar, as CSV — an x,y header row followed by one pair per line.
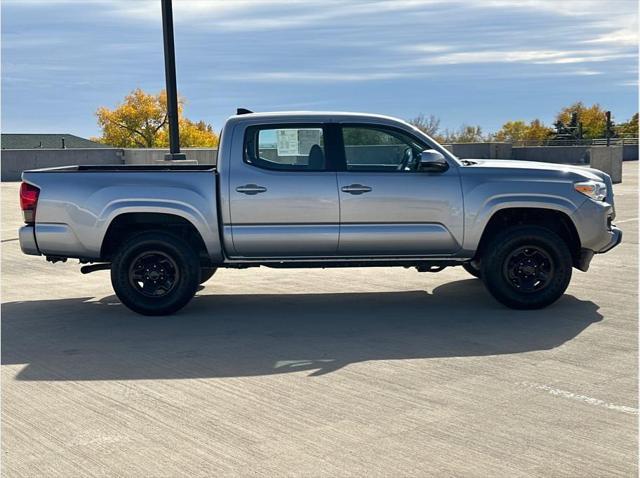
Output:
x,y
95,267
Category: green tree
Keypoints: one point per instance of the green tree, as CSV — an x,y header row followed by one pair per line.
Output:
x,y
513,131
592,117
140,121
628,129
192,135
539,131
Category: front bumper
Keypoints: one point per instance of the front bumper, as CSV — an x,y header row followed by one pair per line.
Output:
x,y
27,237
593,222
615,239
584,260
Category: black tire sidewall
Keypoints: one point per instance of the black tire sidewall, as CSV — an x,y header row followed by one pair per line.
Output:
x,y
471,270
506,242
185,258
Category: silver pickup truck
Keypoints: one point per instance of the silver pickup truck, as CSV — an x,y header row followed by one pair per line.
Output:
x,y
321,190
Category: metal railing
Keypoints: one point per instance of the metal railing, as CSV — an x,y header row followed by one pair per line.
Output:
x,y
578,142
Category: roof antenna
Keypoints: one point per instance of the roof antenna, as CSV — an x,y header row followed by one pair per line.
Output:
x,y
243,111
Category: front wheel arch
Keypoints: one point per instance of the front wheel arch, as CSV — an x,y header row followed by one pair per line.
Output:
x,y
556,221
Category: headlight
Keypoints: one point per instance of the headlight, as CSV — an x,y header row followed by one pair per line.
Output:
x,y
594,189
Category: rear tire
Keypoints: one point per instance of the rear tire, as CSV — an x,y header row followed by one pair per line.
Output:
x,y
471,270
527,267
155,273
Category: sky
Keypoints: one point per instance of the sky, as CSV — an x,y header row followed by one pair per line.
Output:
x,y
477,62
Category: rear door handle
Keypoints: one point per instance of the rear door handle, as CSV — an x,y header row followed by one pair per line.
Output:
x,y
356,189
251,189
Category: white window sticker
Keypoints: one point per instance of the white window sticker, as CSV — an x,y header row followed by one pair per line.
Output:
x,y
297,142
288,142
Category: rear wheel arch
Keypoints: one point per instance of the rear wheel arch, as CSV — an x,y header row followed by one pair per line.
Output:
x,y
125,225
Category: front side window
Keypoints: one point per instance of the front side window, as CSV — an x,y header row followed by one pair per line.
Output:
x,y
372,148
288,148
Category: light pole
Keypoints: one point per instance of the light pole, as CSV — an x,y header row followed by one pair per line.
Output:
x,y
172,90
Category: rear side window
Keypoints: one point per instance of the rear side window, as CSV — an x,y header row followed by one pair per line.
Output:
x,y
286,147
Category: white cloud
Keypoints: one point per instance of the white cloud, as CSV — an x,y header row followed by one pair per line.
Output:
x,y
316,76
540,57
621,37
586,72
376,40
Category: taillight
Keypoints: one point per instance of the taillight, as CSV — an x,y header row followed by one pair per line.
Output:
x,y
28,202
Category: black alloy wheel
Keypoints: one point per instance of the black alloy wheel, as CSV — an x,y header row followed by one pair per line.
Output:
x,y
529,269
153,274
526,266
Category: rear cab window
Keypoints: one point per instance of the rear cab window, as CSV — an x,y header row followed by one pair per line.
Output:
x,y
289,147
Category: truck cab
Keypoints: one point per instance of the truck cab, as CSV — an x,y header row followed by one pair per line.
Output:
x,y
336,185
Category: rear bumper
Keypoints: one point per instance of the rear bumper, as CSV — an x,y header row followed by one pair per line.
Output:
x,y
27,237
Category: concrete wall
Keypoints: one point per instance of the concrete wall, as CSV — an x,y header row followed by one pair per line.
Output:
x,y
552,154
607,159
480,150
14,161
153,156
630,152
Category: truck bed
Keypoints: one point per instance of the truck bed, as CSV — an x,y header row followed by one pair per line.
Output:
x,y
127,168
76,206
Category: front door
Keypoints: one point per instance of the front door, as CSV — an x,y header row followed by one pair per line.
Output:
x,y
387,206
283,195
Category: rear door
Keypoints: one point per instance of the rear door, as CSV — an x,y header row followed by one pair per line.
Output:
x,y
283,195
387,206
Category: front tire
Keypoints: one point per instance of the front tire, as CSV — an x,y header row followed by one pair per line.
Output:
x,y
527,267
155,273
471,269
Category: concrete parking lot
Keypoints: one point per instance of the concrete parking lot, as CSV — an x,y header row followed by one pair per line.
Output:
x,y
352,372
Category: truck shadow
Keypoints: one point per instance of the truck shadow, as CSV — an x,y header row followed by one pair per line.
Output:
x,y
249,335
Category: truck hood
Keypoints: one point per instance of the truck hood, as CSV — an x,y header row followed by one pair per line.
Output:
x,y
545,169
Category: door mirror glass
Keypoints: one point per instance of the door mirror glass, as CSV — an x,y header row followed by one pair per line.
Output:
x,y
432,161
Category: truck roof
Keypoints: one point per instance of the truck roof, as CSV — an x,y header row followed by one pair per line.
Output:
x,y
314,116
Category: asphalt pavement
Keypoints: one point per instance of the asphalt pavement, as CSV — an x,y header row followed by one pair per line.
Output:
x,y
376,372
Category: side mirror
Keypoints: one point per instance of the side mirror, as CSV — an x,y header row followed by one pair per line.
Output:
x,y
432,161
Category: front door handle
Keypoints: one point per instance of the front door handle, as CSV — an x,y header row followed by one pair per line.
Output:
x,y
251,189
356,189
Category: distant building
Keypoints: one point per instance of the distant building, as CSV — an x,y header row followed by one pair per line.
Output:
x,y
47,141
